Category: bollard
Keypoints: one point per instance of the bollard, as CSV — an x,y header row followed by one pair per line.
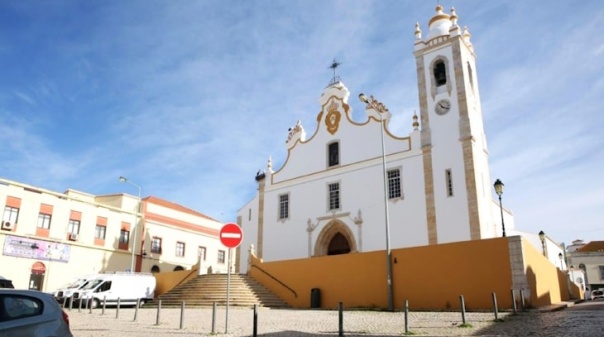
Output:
x,y
86,303
463,309
117,309
90,306
64,302
182,315
514,302
213,318
158,312
255,330
495,310
522,299
406,317
70,303
138,304
104,302
340,320
80,305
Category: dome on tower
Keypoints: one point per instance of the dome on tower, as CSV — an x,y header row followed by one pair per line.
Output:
x,y
439,24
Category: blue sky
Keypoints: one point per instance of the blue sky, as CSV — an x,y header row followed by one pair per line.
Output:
x,y
189,98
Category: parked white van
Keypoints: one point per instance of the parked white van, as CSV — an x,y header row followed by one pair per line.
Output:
x,y
64,293
127,287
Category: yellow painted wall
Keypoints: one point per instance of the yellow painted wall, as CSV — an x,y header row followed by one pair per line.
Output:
x,y
550,284
429,277
166,281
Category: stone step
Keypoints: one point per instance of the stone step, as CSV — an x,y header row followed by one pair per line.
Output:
x,y
205,290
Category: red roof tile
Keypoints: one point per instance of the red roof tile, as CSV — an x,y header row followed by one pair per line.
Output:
x,y
593,246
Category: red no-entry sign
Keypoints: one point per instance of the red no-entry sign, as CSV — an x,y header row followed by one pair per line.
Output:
x,y
231,235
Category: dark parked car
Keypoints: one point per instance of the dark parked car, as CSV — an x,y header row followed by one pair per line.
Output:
x,y
4,283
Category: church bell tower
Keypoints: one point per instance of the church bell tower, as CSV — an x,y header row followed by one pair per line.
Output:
x,y
455,156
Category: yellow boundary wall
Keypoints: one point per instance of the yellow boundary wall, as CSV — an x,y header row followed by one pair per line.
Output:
x,y
429,277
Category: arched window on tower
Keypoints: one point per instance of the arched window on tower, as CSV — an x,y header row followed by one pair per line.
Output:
x,y
440,73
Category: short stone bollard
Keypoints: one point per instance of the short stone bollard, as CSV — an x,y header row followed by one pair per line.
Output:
x,y
463,309
407,317
182,315
158,312
213,318
138,304
255,329
495,310
117,309
514,302
340,319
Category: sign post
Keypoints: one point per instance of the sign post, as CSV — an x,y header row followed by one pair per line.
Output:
x,y
231,236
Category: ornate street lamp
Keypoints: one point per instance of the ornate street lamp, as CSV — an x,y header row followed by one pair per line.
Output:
x,y
542,238
499,190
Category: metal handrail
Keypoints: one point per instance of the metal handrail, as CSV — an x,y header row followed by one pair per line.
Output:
x,y
278,281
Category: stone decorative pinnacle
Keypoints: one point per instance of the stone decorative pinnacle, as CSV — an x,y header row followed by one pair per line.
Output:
x,y
418,32
415,122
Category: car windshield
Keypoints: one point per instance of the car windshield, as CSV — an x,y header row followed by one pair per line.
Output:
x,y
91,284
75,284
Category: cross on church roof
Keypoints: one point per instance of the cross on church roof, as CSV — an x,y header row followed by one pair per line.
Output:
x,y
333,66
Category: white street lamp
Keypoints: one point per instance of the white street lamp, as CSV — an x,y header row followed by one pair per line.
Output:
x,y
138,209
381,109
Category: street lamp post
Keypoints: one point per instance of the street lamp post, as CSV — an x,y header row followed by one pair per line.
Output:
x,y
542,238
381,109
138,208
499,190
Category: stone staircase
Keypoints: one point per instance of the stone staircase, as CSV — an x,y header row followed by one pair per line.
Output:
x,y
204,290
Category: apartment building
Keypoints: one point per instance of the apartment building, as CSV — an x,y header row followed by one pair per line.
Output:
x,y
49,238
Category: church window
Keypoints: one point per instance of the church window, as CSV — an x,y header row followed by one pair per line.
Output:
x,y
334,196
221,256
449,182
333,154
249,214
283,206
601,268
470,76
440,73
394,184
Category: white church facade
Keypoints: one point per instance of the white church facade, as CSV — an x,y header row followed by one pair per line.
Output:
x,y
352,184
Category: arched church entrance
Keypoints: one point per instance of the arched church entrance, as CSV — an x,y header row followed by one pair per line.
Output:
x,y
338,245
335,238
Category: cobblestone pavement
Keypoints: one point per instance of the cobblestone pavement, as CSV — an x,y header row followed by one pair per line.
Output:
x,y
281,322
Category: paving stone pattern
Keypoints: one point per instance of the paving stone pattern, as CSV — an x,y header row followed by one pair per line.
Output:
x,y
287,322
